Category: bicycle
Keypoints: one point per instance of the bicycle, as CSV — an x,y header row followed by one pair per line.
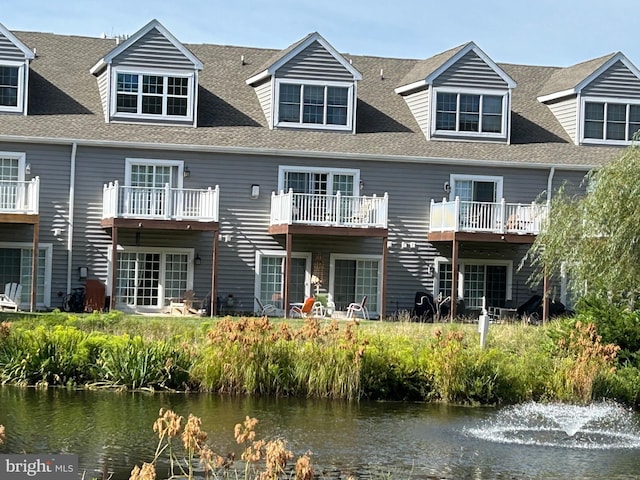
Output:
x,y
74,302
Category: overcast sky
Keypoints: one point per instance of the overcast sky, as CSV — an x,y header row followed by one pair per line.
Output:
x,y
532,32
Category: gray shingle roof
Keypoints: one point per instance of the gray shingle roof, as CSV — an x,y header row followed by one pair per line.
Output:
x,y
64,103
570,77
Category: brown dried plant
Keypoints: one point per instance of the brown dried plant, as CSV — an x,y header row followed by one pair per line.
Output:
x,y
5,327
304,470
3,436
147,472
589,358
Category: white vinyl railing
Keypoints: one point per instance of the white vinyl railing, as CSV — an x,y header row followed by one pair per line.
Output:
x,y
20,196
489,217
161,203
329,210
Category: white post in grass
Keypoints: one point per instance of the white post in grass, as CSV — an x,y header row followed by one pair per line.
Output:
x,y
483,323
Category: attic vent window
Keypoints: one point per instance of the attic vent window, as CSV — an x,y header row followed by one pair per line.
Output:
x,y
314,105
153,95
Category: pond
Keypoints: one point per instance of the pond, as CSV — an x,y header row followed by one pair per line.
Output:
x,y
113,431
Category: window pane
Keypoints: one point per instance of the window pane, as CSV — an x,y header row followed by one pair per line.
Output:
x,y
176,268
313,110
152,84
8,96
594,111
177,106
492,104
152,105
446,111
9,86
469,122
634,120
337,98
127,103
178,86
296,181
289,103
127,82
594,120
469,113
616,121
491,114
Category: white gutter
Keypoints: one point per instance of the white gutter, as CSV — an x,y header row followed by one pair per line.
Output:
x,y
550,183
72,200
298,153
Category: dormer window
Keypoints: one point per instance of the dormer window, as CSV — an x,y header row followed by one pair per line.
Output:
x,y
610,121
314,105
153,95
149,78
469,112
9,86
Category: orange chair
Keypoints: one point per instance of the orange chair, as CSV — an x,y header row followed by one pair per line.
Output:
x,y
305,309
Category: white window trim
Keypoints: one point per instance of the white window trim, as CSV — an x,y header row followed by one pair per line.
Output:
x,y
162,251
21,157
454,177
281,254
282,169
462,262
48,247
604,100
129,162
345,256
315,126
21,86
191,95
462,91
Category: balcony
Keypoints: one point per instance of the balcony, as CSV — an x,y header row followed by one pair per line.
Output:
x,y
486,217
316,210
19,198
160,203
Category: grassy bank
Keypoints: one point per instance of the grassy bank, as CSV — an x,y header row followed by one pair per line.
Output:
x,y
564,360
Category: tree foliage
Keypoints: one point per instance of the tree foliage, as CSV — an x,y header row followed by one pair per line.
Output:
x,y
595,235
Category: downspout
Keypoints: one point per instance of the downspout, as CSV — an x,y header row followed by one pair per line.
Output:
x,y
72,200
545,283
550,184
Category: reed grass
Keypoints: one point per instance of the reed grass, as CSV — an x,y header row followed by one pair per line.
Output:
x,y
563,360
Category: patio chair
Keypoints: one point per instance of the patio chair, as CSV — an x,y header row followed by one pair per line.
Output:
x,y
267,309
303,310
358,308
11,297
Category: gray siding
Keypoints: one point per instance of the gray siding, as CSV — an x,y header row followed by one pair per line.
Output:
x,y
314,62
418,103
8,51
264,93
616,81
153,50
565,111
470,71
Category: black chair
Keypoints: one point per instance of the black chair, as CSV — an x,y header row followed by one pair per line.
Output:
x,y
424,307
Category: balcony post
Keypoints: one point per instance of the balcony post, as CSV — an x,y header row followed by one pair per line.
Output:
x,y
114,200
456,218
167,201
503,215
337,209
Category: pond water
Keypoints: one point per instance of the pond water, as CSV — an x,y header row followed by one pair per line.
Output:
x,y
113,431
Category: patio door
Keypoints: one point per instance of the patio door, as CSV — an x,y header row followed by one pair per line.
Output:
x,y
147,181
270,278
354,278
152,279
15,266
9,186
491,281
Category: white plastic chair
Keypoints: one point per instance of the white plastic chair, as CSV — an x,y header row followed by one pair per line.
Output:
x,y
358,308
11,297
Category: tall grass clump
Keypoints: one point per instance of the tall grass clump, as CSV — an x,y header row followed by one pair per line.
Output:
x,y
583,361
57,356
254,356
133,362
